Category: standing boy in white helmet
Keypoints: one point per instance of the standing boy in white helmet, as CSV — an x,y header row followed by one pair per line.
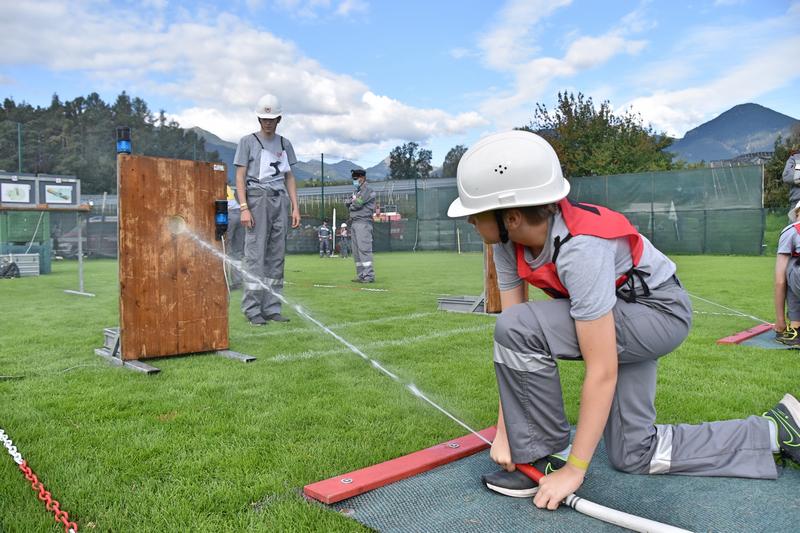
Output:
x,y
362,205
618,306
267,194
234,239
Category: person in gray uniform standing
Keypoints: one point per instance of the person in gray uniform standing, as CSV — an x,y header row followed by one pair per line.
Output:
x,y
362,206
267,194
618,306
791,175
324,235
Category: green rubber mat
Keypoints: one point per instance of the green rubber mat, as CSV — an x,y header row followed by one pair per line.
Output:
x,y
451,498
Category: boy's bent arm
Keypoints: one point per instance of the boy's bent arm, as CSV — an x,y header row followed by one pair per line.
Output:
x,y
781,264
597,340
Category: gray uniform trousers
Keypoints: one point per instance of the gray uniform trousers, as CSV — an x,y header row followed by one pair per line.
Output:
x,y
793,288
361,232
530,337
234,246
265,251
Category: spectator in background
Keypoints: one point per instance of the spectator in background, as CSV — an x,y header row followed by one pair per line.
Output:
x,y
791,175
324,235
344,241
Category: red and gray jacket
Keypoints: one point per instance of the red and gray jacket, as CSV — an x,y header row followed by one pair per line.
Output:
x,y
597,221
796,226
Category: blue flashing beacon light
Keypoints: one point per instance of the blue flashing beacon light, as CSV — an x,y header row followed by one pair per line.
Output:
x,y
123,140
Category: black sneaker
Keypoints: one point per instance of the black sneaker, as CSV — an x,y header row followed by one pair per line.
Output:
x,y
789,337
258,321
277,317
786,416
518,485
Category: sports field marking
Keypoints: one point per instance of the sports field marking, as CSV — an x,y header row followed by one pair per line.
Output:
x,y
718,314
395,318
739,313
312,354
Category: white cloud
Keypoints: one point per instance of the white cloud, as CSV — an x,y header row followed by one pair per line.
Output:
x,y
680,110
346,7
510,47
221,66
509,40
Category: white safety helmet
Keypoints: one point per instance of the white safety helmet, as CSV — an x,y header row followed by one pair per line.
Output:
x,y
510,169
344,225
268,106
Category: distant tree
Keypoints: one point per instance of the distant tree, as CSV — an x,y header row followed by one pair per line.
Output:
x,y
593,140
776,192
407,162
451,160
77,137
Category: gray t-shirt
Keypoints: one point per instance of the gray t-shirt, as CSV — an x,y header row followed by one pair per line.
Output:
x,y
587,266
248,154
789,241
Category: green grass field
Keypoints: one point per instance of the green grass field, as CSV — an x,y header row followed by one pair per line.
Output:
x,y
211,444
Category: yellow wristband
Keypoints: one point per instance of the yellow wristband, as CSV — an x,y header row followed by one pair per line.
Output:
x,y
578,463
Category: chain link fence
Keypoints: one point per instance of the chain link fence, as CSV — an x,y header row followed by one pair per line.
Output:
x,y
710,210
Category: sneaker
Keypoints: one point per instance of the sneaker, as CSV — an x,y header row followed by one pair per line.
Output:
x,y
518,485
356,280
786,416
789,337
258,321
277,317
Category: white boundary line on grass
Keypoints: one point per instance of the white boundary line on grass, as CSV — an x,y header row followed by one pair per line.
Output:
x,y
739,313
282,358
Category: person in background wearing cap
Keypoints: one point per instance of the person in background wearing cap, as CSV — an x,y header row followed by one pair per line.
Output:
x,y
234,240
617,306
344,241
267,194
791,175
787,282
324,234
362,206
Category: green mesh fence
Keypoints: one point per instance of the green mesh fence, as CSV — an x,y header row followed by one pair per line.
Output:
x,y
710,210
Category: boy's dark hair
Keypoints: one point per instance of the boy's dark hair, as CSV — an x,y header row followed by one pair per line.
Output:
x,y
536,214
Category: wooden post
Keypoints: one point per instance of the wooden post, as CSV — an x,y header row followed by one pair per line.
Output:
x,y
491,290
172,292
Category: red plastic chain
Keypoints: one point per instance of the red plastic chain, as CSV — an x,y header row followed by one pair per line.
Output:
x,y
51,504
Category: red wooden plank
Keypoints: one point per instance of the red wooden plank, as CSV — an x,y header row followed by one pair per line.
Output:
x,y
746,334
358,482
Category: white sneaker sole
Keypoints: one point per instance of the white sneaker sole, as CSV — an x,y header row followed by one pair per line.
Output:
x,y
514,493
793,406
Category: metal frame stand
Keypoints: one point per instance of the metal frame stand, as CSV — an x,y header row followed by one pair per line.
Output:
x,y
463,304
80,291
111,353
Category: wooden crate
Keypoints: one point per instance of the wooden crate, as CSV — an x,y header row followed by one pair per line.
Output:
x,y
173,298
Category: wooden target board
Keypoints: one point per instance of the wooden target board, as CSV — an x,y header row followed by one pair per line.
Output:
x,y
173,298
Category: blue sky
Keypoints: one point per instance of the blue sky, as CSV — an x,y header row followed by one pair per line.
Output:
x,y
358,77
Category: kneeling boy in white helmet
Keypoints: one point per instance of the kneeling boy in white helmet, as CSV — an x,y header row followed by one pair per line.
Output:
x,y
787,282
618,306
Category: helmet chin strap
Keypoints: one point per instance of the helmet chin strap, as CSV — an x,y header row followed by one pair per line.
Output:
x,y
501,226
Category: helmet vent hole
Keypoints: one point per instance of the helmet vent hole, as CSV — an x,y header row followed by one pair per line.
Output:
x,y
501,168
